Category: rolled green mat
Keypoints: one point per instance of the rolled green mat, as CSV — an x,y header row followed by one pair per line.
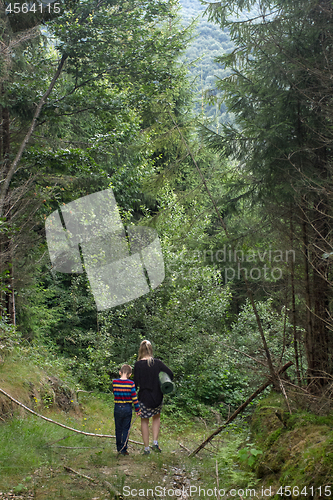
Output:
x,y
167,386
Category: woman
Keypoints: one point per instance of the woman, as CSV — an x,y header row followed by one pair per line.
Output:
x,y
146,371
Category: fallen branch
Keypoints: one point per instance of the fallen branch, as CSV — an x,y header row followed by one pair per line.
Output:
x,y
105,483
284,394
109,436
57,441
184,447
78,447
240,409
79,474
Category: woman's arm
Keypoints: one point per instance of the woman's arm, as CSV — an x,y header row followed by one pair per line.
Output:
x,y
164,368
136,376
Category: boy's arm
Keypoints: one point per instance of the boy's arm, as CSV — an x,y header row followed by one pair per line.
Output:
x,y
135,400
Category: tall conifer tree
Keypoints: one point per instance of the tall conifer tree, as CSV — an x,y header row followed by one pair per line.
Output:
x,y
280,91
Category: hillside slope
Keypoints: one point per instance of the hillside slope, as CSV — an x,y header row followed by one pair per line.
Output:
x,y
209,42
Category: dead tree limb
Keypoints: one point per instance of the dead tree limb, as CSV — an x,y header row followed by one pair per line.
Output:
x,y
58,423
243,353
109,486
184,447
69,469
240,409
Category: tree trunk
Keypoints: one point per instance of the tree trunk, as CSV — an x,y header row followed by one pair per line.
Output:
x,y
293,303
321,365
7,299
308,328
317,295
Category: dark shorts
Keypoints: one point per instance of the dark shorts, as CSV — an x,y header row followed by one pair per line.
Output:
x,y
149,412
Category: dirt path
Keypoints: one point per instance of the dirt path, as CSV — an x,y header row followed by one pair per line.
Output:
x,y
100,474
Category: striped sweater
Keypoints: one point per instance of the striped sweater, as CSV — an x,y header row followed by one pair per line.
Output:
x,y
124,392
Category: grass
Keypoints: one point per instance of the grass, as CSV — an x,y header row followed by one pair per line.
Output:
x,y
37,457
32,457
50,462
23,449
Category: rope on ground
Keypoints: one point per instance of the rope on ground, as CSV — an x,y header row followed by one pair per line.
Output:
x,y
59,424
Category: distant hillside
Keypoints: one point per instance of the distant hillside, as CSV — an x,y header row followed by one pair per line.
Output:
x,y
210,42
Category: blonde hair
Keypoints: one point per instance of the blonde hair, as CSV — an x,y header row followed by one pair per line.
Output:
x,y
145,350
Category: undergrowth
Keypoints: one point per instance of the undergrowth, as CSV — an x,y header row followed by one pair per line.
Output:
x,y
281,449
297,448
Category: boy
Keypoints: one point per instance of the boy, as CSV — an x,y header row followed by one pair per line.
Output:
x,y
124,395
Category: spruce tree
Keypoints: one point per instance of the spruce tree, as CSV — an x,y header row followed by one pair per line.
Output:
x,y
280,90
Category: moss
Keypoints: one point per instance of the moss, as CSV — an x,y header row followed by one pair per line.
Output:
x,y
265,421
297,450
300,419
273,437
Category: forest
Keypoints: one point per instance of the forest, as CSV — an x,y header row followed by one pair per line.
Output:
x,y
165,174
208,42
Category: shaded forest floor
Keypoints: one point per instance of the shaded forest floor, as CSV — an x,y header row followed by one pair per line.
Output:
x,y
106,474
46,462
74,466
43,461
39,460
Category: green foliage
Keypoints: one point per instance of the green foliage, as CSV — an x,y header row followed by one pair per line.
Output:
x,y
107,123
249,454
279,78
95,128
227,459
211,386
96,367
244,333
10,338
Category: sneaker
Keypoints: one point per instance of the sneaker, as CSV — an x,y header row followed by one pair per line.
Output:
x,y
124,452
146,452
155,447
